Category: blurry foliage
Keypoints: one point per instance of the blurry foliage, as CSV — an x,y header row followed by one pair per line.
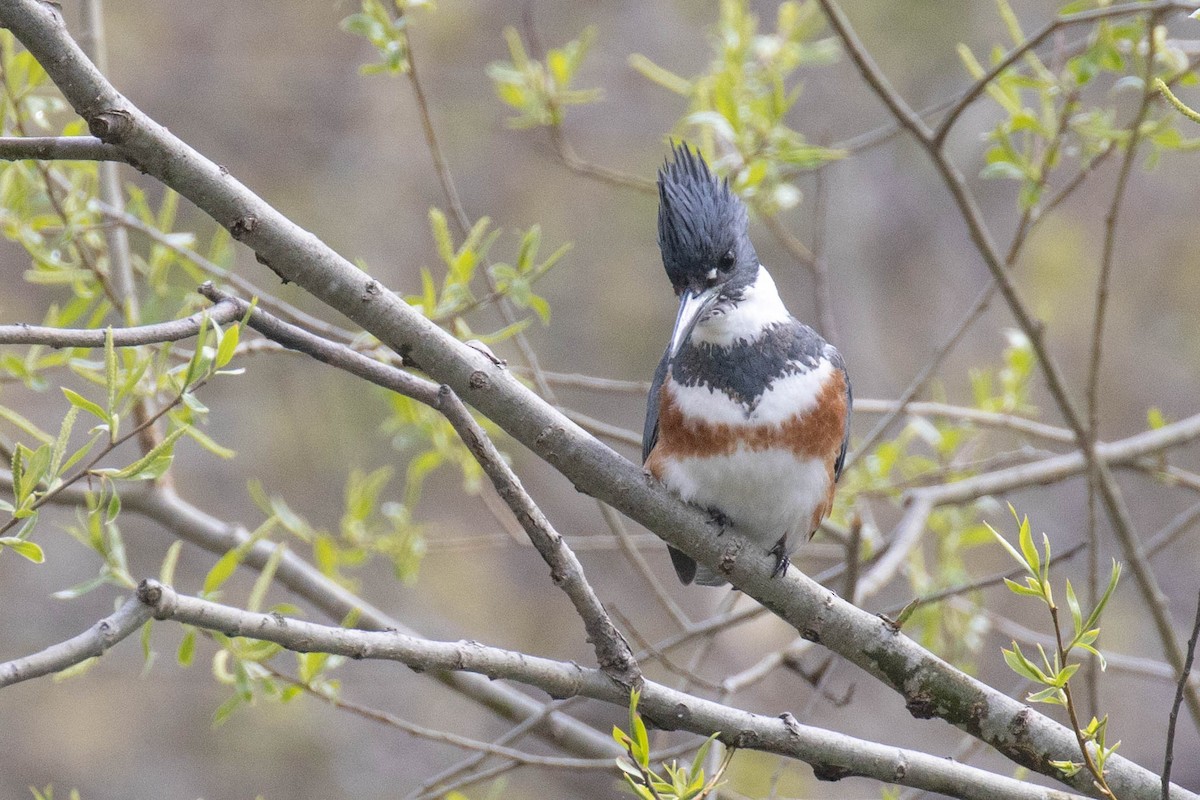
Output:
x,y
126,378
541,90
941,450
47,793
739,108
450,302
1040,102
387,31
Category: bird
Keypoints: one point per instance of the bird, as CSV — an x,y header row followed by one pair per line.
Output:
x,y
749,410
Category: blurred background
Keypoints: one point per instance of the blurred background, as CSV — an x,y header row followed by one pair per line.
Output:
x,y
272,91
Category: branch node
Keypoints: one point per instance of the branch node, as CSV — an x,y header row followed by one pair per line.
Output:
x,y
158,597
242,226
830,772
480,380
111,125
921,704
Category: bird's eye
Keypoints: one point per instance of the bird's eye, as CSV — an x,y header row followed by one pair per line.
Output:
x,y
726,262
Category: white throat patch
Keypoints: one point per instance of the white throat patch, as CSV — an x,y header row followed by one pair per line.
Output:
x,y
759,308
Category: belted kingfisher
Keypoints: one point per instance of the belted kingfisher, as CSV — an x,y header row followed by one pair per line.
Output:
x,y
749,411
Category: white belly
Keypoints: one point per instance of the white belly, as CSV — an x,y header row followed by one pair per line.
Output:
x,y
766,494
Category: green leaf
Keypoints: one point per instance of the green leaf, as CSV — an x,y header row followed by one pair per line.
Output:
x,y
1051,694
227,345
30,550
152,465
1012,551
1028,550
187,647
110,371
206,442
166,573
19,421
221,571
85,404
1073,604
263,582
1065,674
60,444
1017,588
663,77
194,366
1094,617
1021,665
75,457
1068,768
80,589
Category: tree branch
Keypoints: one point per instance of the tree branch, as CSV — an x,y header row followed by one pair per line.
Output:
x,y
173,331
833,755
92,643
58,148
1174,717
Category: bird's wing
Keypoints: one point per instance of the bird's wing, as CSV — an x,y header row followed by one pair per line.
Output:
x,y
840,363
650,431
685,566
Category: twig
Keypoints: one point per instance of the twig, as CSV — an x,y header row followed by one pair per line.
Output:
x,y
120,260
1092,393
1178,525
1089,761
601,429
821,293
1174,718
833,753
654,654
444,737
922,378
185,328
457,212
629,548
612,652
58,148
511,735
567,155
990,419
593,383
976,585
92,643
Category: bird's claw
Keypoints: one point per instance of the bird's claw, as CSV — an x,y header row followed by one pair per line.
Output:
x,y
782,562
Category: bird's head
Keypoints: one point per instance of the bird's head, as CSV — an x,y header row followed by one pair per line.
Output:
x,y
702,235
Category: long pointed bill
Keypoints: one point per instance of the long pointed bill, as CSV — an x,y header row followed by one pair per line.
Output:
x,y
692,306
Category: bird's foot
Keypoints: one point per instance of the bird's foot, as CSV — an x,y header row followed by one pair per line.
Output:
x,y
782,562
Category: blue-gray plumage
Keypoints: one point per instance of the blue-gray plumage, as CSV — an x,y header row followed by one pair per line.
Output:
x,y
749,410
